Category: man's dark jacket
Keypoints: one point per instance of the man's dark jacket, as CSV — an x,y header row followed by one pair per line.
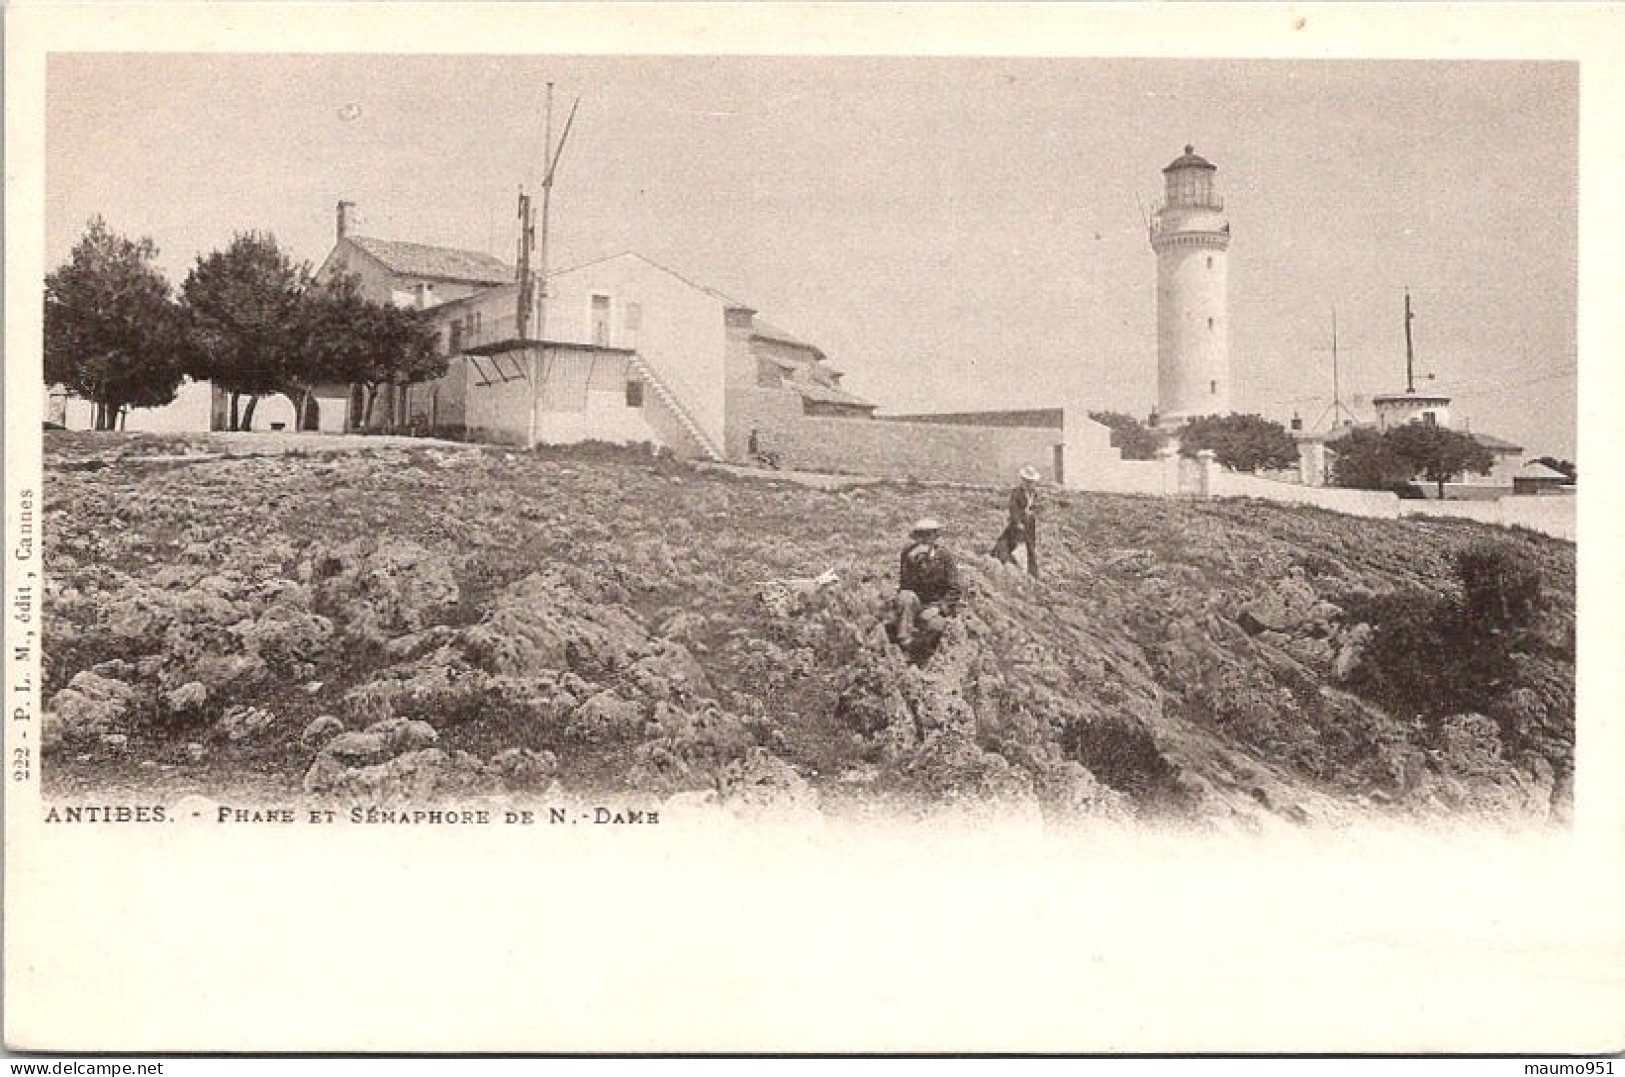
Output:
x,y
930,572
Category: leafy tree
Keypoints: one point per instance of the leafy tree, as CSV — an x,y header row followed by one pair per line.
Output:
x,y
1363,459
1133,438
1565,466
244,308
1241,442
1437,453
112,333
353,339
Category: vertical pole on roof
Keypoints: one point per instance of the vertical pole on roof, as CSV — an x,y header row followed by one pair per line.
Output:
x,y
1410,356
541,273
550,166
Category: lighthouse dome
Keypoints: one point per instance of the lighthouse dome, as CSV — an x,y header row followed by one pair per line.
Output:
x,y
1190,159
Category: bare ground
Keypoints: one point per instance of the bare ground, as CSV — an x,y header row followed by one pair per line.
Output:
x,y
604,621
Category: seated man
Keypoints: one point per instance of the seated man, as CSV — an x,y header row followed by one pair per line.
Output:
x,y
928,588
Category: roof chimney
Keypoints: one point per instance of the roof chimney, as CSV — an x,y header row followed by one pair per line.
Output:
x,y
344,218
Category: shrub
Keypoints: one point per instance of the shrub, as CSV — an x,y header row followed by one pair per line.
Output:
x,y
1498,593
1433,654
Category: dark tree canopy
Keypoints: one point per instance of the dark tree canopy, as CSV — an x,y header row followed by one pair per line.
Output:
x,y
1438,453
1240,442
1133,438
1363,459
350,338
112,333
244,312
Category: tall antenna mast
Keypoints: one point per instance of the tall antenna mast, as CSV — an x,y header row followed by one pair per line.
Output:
x,y
1410,355
547,199
1336,410
551,155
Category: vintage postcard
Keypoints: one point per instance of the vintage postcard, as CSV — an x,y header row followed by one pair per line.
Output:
x,y
812,528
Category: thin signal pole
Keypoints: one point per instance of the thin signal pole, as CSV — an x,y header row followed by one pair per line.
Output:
x,y
1336,410
550,167
1410,354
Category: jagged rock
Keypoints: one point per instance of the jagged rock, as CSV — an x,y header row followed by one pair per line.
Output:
x,y
321,730
414,644
523,769
89,706
236,670
687,748
354,749
441,683
604,717
1350,649
950,766
684,628
283,635
380,588
671,672
244,722
187,698
416,778
762,782
1068,789
542,623
404,734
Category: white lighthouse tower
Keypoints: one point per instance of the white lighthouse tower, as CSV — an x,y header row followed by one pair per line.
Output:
x,y
1191,238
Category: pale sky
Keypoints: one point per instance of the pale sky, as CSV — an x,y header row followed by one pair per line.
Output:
x,y
955,233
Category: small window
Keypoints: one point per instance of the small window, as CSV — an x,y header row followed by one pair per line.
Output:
x,y
1429,419
1210,323
1213,387
633,316
634,394
1210,261
600,320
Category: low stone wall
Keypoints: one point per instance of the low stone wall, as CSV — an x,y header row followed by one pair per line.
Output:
x,y
1556,516
1375,504
886,448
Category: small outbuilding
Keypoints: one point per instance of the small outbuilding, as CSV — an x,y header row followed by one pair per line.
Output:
x,y
1537,478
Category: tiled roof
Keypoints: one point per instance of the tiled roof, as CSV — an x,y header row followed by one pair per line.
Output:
x,y
440,263
766,330
1493,443
823,394
1536,470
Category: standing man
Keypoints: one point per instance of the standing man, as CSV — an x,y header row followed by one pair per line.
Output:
x,y
928,588
1022,526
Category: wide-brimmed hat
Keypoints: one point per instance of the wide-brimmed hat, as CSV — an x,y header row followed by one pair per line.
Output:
x,y
1030,473
926,525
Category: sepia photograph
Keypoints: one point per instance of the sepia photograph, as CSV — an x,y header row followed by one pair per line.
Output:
x,y
593,447
971,445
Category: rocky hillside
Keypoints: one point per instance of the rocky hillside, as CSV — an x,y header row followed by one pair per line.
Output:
x,y
417,621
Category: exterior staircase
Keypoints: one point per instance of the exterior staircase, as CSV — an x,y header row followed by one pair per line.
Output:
x,y
674,404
